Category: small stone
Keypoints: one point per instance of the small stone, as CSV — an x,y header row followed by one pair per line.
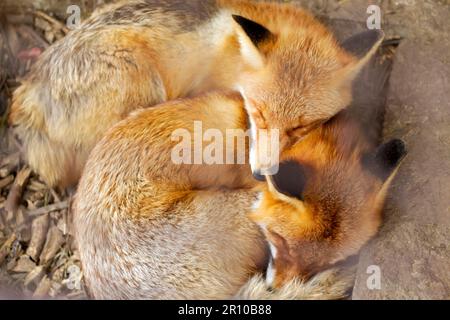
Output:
x,y
4,172
35,185
75,276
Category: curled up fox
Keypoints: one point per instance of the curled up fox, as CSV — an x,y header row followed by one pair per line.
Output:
x,y
149,228
132,54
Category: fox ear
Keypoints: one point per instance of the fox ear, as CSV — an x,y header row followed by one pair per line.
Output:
x,y
251,35
386,159
290,180
362,46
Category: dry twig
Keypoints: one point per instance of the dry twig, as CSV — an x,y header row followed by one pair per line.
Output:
x,y
6,247
53,21
55,240
50,208
39,230
6,181
15,194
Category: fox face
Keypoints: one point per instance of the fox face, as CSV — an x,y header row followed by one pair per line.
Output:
x,y
298,79
325,201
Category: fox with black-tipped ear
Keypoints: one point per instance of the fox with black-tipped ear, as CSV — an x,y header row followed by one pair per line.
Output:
x,y
288,66
147,227
299,77
326,200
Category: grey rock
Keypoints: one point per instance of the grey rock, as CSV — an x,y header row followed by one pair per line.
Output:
x,y
412,248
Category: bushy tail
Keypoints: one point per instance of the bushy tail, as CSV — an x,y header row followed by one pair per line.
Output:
x,y
332,284
50,159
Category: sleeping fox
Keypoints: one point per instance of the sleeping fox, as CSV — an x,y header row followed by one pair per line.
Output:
x,y
290,69
149,228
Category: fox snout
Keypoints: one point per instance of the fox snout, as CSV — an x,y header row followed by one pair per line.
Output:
x,y
264,153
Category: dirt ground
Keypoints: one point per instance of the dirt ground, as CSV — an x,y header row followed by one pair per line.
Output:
x,y
38,256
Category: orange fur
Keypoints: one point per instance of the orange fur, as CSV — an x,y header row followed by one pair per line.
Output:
x,y
341,205
140,53
149,228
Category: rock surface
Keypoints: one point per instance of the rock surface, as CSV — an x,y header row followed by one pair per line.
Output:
x,y
412,248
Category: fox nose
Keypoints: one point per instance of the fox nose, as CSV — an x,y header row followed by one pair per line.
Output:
x,y
258,176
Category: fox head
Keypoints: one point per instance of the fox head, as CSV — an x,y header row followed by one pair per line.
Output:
x,y
298,75
325,202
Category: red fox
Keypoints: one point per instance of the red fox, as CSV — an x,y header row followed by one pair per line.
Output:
x,y
140,53
149,228
325,201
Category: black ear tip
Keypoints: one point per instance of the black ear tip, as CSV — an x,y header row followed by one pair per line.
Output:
x,y
396,150
236,17
390,154
254,30
386,159
242,20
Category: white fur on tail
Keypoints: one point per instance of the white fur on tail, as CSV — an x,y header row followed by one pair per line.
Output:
x,y
333,284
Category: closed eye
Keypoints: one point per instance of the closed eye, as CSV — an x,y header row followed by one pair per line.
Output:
x,y
298,131
302,130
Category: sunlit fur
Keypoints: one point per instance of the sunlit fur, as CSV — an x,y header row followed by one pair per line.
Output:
x,y
304,77
139,53
147,228
150,229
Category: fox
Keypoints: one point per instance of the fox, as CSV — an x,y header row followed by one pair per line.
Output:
x,y
140,53
150,228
